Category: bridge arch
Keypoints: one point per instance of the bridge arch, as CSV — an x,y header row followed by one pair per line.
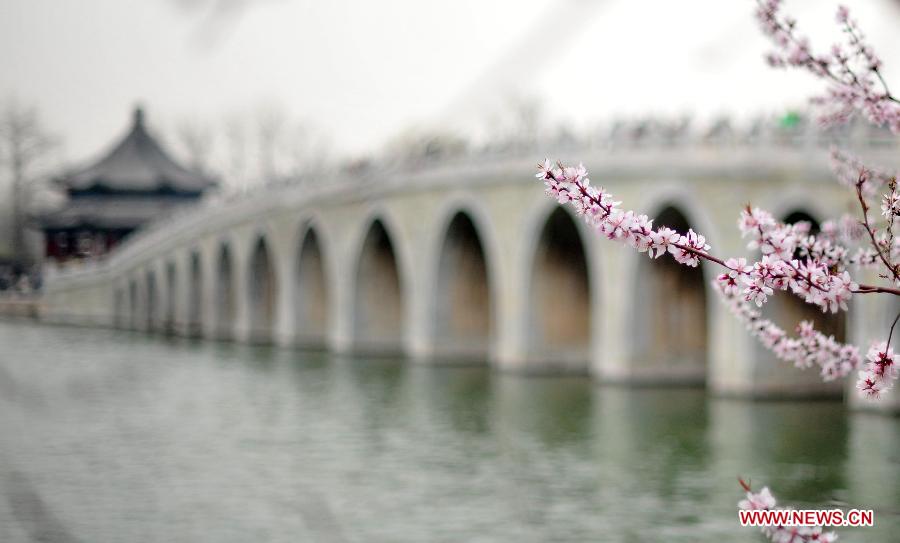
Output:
x,y
462,305
794,202
194,315
379,301
172,295
312,294
262,290
152,301
669,311
119,307
559,296
133,304
225,289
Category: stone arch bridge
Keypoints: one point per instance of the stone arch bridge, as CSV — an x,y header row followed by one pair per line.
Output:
x,y
469,262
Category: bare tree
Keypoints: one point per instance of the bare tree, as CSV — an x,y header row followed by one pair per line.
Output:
x,y
251,148
421,143
307,150
236,149
270,132
24,146
286,147
198,142
518,123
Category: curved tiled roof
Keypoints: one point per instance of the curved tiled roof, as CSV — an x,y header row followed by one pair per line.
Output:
x,y
137,164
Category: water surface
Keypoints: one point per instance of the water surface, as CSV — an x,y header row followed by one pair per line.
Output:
x,y
114,436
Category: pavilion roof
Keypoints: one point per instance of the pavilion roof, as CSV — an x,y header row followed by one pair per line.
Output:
x,y
137,163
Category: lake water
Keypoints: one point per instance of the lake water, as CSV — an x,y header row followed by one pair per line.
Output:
x,y
114,436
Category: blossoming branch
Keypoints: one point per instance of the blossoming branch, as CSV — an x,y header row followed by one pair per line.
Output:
x,y
813,278
814,267
851,69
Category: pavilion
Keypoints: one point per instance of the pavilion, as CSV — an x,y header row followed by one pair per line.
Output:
x,y
133,184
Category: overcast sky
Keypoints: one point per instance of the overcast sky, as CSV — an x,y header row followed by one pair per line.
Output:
x,y
363,70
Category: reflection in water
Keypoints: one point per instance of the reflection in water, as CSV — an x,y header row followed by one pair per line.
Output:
x,y
554,411
802,445
31,513
872,478
110,436
456,398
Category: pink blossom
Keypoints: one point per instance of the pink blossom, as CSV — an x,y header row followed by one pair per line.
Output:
x,y
880,371
890,205
755,222
810,348
681,252
762,500
881,362
729,281
661,240
870,385
843,14
756,290
639,233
